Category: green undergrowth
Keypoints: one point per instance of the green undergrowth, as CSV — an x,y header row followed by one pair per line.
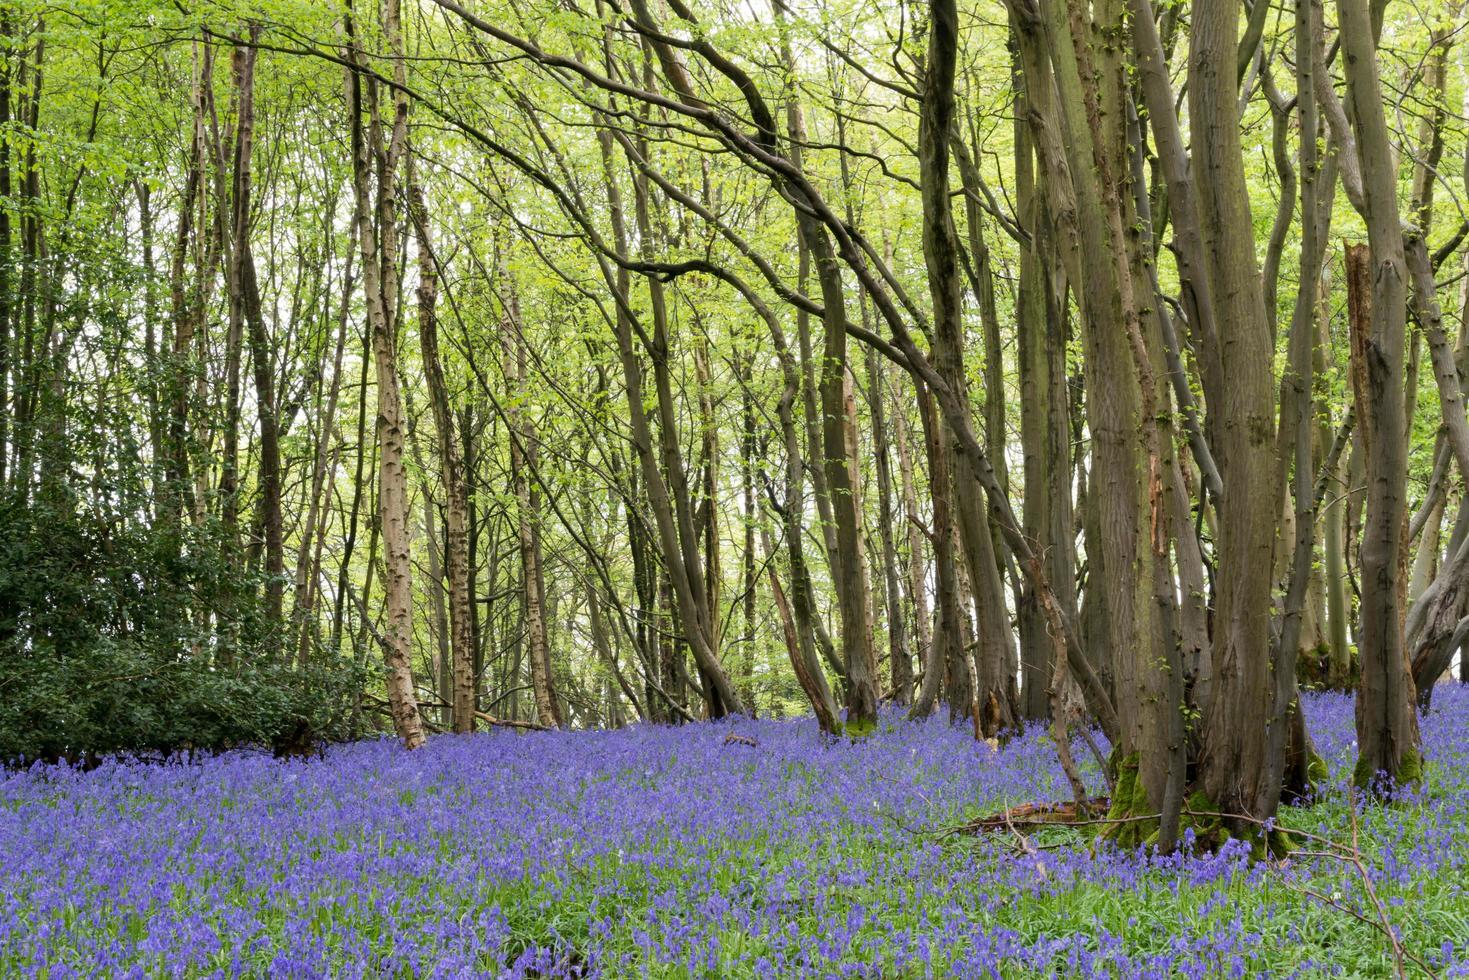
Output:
x,y
1064,881
821,873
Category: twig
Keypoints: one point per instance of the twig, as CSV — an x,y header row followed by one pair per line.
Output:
x,y
1026,846
1353,856
1348,854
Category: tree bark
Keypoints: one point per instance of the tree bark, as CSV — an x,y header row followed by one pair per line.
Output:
x,y
994,655
1387,728
379,271
452,470
523,445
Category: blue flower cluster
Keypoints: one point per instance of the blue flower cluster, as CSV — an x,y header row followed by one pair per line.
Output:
x,y
676,852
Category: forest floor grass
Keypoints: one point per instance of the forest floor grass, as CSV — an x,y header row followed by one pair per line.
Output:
x,y
678,852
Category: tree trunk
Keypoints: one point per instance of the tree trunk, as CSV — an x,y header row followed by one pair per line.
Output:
x,y
379,272
1045,434
523,445
916,567
901,659
674,530
451,464
994,654
1387,728
303,605
849,571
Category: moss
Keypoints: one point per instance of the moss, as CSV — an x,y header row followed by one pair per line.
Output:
x,y
1129,800
1199,802
1316,769
858,728
1410,770
1281,842
1211,832
1199,815
1304,778
1363,773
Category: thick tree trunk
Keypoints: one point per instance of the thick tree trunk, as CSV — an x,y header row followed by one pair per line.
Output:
x,y
1236,748
1086,206
1387,728
994,654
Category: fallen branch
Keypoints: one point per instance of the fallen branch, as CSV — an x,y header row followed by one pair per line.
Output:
x,y
489,719
1068,814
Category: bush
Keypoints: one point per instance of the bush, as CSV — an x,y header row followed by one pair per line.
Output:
x,y
115,637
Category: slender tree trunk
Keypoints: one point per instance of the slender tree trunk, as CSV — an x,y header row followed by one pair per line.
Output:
x,y
235,250
946,647
1044,429
303,607
849,570
901,659
262,369
1387,728
749,466
182,309
7,299
523,442
379,271
706,513
916,567
810,363
360,479
451,466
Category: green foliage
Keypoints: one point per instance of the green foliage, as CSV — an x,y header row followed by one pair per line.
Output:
x,y
97,652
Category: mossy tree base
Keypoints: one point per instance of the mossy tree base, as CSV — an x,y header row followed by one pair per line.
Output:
x,y
1368,778
1132,821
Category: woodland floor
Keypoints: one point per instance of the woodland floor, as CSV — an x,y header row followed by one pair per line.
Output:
x,y
678,852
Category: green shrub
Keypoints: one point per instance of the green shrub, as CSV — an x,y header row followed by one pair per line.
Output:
x,y
116,637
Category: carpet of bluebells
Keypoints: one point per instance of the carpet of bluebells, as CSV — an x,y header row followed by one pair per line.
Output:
x,y
677,852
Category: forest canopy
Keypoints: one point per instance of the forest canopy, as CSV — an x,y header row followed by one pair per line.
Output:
x,y
459,363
